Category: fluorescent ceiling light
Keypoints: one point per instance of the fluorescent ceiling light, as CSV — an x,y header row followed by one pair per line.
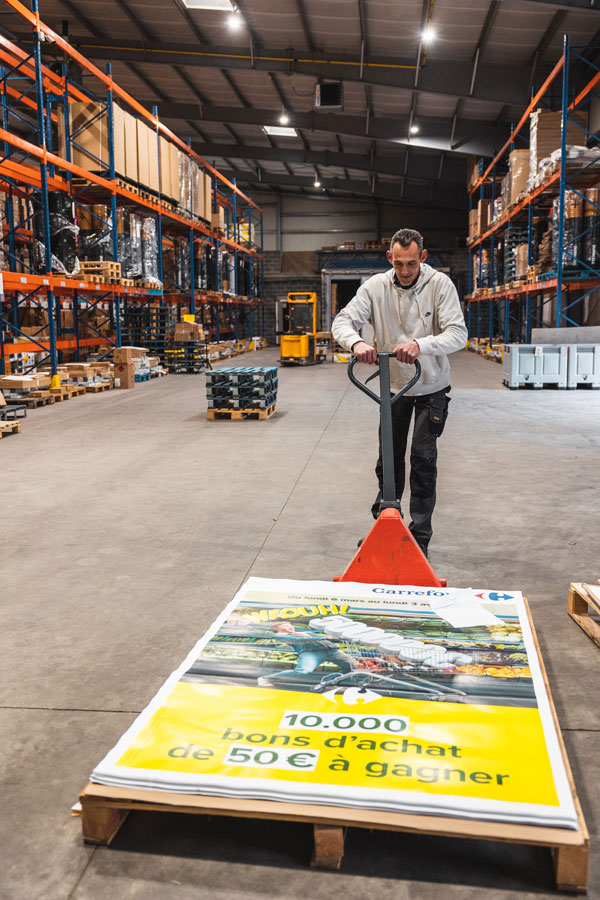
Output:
x,y
428,34
284,118
223,5
280,131
414,129
235,21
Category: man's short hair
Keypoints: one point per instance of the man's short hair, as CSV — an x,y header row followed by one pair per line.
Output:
x,y
405,237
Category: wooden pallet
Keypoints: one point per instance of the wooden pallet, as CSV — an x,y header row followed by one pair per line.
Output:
x,y
9,428
127,282
66,391
101,279
238,414
149,285
127,186
98,388
579,602
104,809
30,402
104,268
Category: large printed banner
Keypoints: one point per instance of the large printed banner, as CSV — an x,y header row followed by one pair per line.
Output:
x,y
398,698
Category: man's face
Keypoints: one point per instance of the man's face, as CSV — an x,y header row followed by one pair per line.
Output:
x,y
406,262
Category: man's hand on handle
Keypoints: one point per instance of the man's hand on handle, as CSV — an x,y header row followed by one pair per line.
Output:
x,y
364,352
407,353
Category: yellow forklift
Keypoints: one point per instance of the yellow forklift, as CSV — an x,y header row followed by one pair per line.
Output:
x,y
299,330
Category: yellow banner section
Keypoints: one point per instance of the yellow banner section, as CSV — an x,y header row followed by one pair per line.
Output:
x,y
464,750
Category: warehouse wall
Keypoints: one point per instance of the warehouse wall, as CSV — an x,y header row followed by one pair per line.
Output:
x,y
298,222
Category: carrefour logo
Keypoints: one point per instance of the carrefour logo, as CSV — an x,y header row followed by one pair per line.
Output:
x,y
495,596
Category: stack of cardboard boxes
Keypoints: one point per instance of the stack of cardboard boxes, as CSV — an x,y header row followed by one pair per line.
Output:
x,y
21,385
124,365
188,331
141,156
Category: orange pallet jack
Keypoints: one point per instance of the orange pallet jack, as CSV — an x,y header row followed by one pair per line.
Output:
x,y
389,554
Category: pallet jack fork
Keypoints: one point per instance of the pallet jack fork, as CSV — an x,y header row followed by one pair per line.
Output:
x,y
389,554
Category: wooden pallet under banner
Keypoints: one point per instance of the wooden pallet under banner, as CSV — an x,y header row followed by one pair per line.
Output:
x,y
104,809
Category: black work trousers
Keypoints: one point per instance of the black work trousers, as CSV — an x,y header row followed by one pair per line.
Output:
x,y
431,411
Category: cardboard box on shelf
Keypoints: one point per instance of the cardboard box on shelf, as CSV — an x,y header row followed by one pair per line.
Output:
x,y
472,170
89,121
207,196
128,354
130,130
165,168
217,219
152,159
119,139
483,215
124,375
143,144
174,167
521,258
199,199
188,331
473,224
194,186
518,167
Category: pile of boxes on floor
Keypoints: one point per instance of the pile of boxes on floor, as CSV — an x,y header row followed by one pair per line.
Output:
x,y
227,349
493,350
132,365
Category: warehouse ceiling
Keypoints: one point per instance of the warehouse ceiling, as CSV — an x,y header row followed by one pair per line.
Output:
x,y
413,106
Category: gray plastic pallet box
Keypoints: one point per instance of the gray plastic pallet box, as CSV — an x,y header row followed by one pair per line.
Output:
x,y
535,364
583,365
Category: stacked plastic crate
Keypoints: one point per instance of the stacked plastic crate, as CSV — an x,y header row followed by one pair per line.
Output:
x,y
242,387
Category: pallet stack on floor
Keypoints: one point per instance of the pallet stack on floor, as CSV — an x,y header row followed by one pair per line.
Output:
x,y
241,392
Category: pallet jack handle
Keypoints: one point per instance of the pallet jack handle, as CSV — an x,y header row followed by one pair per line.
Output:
x,y
384,375
386,402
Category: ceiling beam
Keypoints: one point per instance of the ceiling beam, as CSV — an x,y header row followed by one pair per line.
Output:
x,y
310,43
145,32
497,83
420,170
483,39
83,20
190,22
555,23
364,34
434,133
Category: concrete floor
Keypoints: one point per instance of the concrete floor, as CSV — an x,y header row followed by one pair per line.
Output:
x,y
128,522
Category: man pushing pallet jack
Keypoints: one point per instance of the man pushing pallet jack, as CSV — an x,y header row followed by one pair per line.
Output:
x,y
415,313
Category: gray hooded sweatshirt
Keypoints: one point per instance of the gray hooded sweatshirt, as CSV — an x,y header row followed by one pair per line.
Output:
x,y
428,313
